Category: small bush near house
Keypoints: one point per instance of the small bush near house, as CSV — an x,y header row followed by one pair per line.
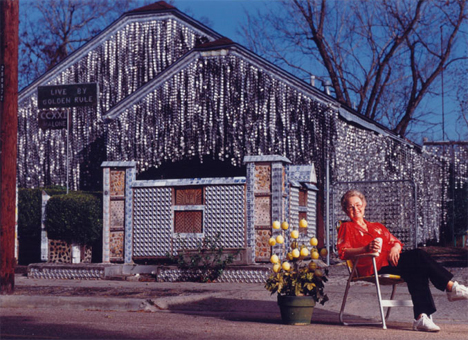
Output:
x,y
75,217
206,263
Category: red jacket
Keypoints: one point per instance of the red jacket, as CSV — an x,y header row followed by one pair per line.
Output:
x,y
351,235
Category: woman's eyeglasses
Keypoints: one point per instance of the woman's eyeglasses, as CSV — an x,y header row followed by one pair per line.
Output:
x,y
356,207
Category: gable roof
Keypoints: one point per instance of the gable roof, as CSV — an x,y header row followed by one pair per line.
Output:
x,y
223,46
157,6
222,42
160,10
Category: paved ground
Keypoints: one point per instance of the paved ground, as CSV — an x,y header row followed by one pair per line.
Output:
x,y
229,302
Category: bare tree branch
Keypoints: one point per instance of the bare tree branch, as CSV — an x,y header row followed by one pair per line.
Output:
x,y
383,55
58,27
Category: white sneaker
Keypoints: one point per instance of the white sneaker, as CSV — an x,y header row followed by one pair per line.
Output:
x,y
425,324
459,292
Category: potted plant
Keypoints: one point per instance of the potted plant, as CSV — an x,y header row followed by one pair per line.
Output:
x,y
297,277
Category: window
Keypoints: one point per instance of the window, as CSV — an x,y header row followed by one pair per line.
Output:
x,y
192,196
188,222
188,210
303,198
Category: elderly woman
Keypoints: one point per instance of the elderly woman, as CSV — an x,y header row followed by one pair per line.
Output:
x,y
415,266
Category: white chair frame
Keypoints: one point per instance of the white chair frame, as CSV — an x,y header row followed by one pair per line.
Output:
x,y
378,280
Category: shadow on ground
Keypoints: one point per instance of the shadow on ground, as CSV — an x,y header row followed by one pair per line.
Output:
x,y
260,311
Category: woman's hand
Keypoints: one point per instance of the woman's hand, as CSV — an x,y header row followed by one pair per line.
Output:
x,y
394,255
373,247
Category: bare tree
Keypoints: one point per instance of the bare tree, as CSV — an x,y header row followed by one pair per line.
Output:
x,y
52,29
381,57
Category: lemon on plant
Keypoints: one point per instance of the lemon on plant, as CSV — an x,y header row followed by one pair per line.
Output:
x,y
314,255
285,225
303,223
276,267
272,241
286,266
296,253
313,242
274,258
304,251
323,252
294,234
279,239
312,265
318,272
276,225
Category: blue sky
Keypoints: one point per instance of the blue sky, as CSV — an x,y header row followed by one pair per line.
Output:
x,y
224,15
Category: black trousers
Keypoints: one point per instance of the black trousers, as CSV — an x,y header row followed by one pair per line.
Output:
x,y
417,268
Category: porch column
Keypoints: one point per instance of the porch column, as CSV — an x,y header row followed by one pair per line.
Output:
x,y
265,201
118,211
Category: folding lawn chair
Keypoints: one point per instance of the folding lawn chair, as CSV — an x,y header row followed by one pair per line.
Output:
x,y
378,280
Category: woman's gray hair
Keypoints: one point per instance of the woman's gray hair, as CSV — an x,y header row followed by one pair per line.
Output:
x,y
348,195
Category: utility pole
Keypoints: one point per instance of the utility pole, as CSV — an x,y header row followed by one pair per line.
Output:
x,y
9,21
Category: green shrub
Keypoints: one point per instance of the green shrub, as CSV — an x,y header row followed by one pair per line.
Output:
x,y
29,213
29,210
76,217
206,263
29,222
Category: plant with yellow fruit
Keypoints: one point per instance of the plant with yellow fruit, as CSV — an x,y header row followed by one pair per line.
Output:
x,y
294,234
294,272
303,223
276,225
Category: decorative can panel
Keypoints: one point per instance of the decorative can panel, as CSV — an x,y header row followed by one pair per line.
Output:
x,y
117,183
116,246
311,213
230,275
117,214
294,207
152,221
277,191
262,248
262,178
262,211
74,272
106,215
192,241
225,213
250,211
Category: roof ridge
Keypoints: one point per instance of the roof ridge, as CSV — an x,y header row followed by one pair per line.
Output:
x,y
223,41
157,6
